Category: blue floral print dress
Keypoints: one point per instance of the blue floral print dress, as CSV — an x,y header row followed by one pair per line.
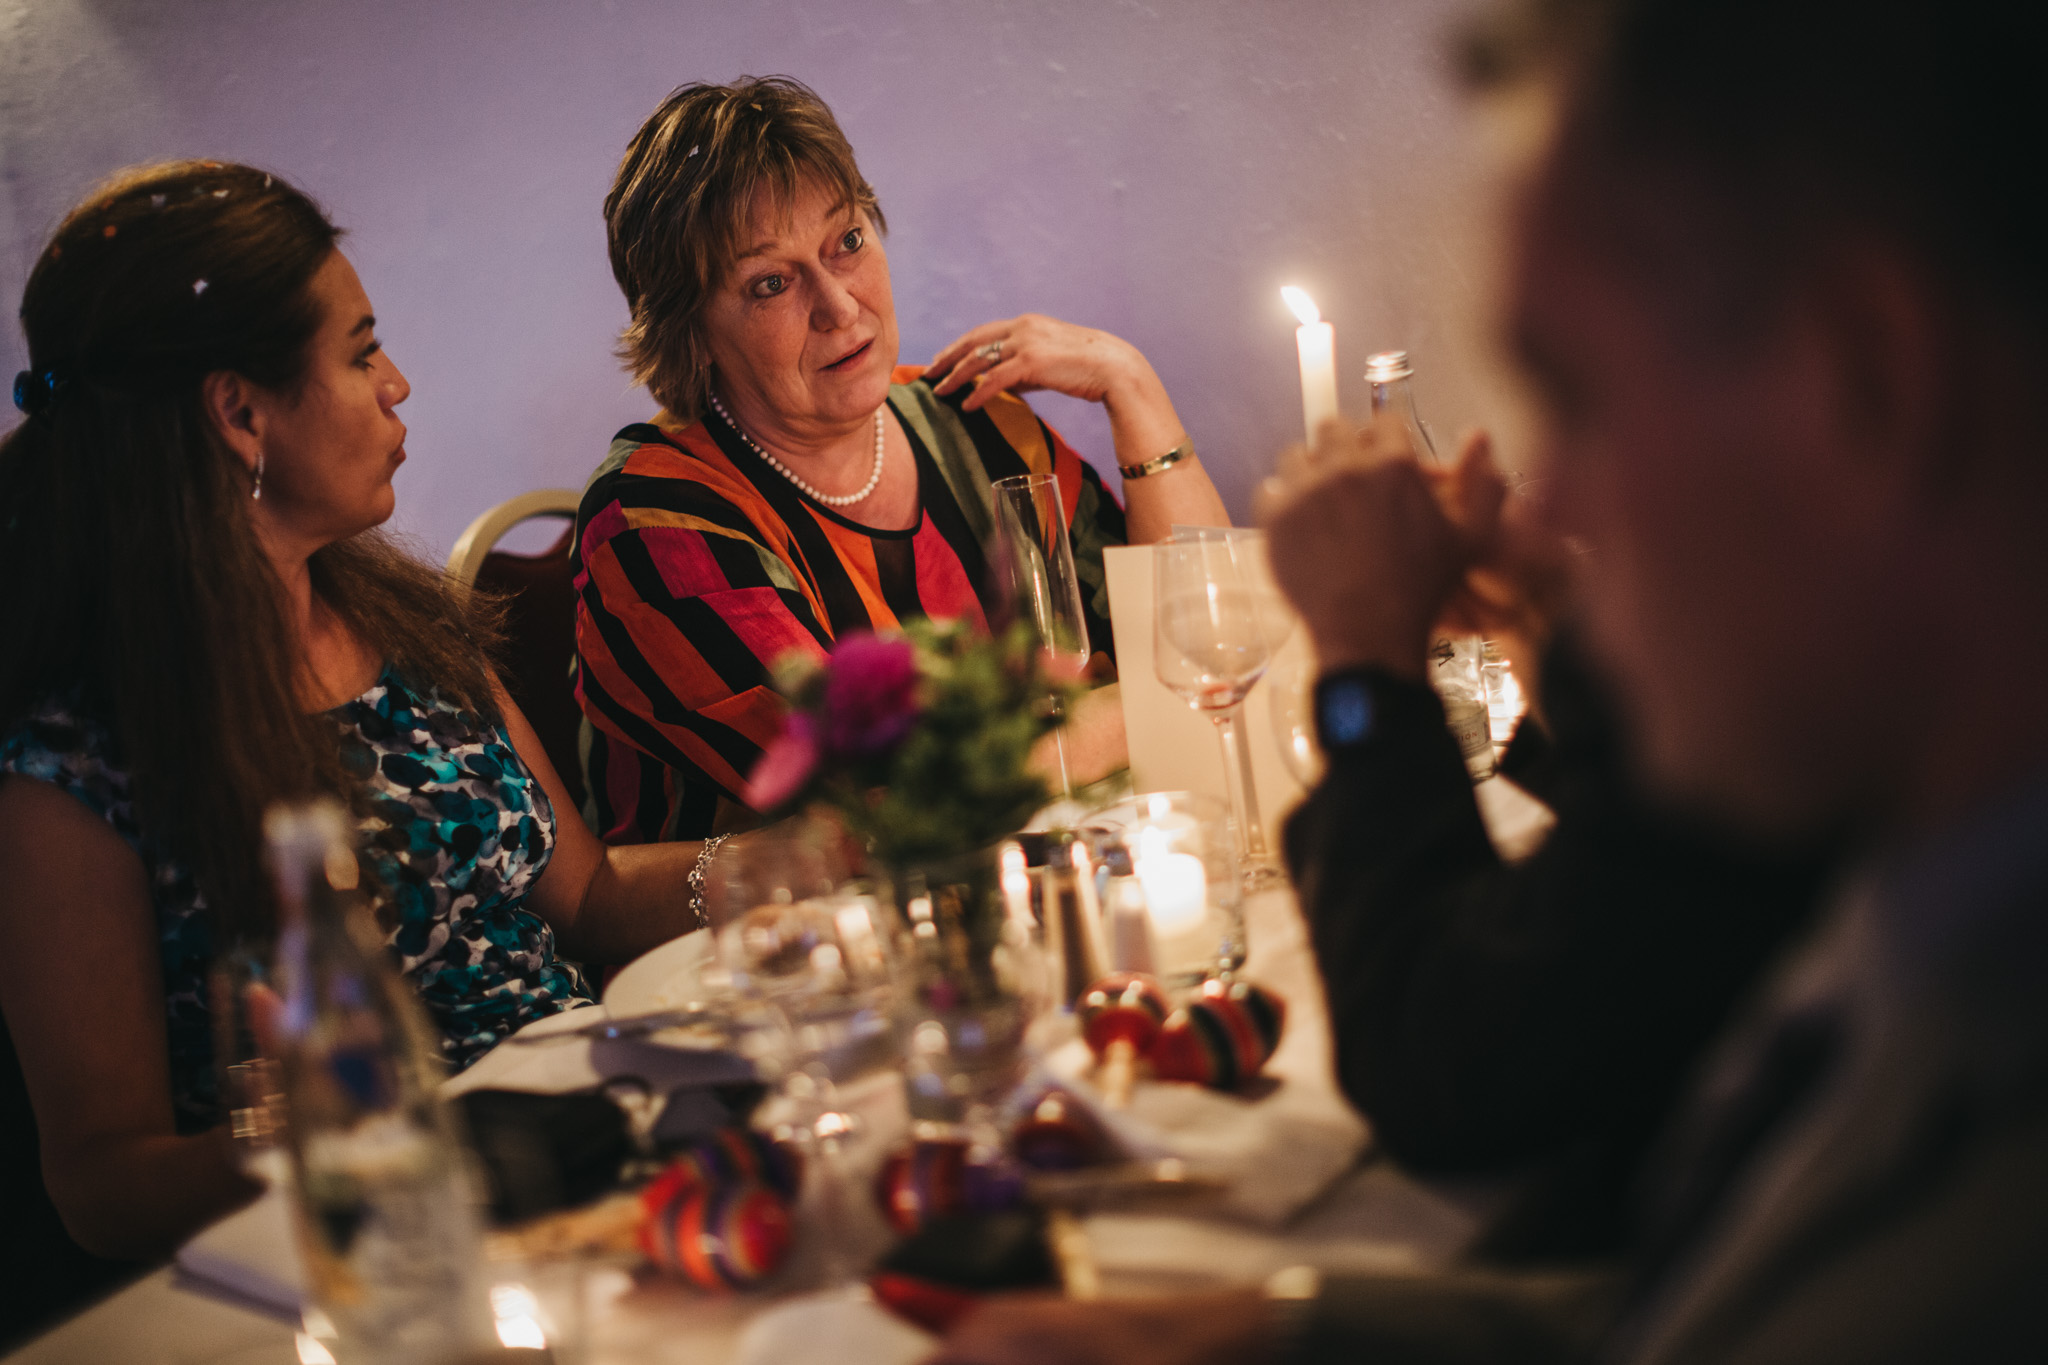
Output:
x,y
458,833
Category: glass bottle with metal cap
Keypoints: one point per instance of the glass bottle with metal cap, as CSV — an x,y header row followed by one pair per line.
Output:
x,y
1455,663
1390,376
387,1221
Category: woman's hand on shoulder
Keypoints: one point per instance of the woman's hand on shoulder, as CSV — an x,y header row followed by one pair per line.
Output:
x,y
1032,351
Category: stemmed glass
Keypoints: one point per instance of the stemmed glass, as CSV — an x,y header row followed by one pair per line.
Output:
x,y
1035,555
812,955
1290,695
1214,634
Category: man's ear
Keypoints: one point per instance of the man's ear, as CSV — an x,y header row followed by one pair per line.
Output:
x,y
237,418
1892,328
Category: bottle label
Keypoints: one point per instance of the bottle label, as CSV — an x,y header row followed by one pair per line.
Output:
x,y
1471,726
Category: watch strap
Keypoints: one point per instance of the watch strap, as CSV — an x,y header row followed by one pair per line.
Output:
x,y
1357,706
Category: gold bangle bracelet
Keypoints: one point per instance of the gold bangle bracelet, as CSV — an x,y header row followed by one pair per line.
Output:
x,y
1158,462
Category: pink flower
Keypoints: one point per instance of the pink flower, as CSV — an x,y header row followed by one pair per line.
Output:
x,y
785,765
870,695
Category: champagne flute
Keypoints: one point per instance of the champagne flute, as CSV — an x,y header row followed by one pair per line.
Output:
x,y
1213,637
1036,557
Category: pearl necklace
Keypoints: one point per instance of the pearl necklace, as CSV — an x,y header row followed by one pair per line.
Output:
x,y
786,472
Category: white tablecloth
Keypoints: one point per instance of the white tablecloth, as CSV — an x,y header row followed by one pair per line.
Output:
x,y
1371,1218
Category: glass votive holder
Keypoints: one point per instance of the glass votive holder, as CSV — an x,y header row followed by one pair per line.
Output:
x,y
1168,885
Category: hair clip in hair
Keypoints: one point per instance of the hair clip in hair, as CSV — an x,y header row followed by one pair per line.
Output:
x,y
34,390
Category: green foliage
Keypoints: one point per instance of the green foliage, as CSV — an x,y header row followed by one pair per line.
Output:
x,y
959,779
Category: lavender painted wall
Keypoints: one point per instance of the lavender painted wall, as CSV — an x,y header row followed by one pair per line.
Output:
x,y
1155,169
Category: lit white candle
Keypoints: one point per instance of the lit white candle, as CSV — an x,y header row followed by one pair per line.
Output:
x,y
1316,341
1016,885
1176,886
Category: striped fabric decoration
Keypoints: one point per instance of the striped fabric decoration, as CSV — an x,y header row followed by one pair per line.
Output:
x,y
698,566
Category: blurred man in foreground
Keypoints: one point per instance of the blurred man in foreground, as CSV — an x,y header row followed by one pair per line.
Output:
x,y
1782,286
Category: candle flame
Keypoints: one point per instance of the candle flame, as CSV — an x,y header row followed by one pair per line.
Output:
x,y
1304,307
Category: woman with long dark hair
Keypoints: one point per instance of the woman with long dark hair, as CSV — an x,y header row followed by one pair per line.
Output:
x,y
200,620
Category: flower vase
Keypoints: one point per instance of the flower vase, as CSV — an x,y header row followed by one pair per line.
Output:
x,y
974,976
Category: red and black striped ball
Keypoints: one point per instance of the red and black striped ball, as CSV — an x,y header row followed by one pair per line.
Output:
x,y
1222,1036
1124,1006
938,1177
720,1236
736,1154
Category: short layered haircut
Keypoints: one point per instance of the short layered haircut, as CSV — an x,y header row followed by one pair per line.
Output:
x,y
677,216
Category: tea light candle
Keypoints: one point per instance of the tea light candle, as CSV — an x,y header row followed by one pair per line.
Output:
x,y
1176,885
1130,928
1316,343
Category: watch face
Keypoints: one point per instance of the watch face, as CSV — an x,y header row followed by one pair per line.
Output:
x,y
1346,711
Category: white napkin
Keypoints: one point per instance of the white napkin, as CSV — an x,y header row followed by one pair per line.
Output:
x,y
250,1258
831,1327
1276,1152
1276,1148
558,1068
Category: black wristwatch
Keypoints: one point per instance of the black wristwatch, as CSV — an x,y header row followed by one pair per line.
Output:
x,y
1358,705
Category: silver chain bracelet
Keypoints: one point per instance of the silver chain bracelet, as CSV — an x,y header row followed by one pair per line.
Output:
x,y
696,877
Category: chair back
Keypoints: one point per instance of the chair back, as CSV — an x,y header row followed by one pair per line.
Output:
x,y
540,618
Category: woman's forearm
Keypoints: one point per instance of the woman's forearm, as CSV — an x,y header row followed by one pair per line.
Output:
x,y
141,1198
1095,741
638,898
1144,426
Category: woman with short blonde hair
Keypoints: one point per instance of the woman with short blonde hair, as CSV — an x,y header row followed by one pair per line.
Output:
x,y
799,484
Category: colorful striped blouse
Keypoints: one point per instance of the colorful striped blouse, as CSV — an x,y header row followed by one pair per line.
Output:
x,y
698,567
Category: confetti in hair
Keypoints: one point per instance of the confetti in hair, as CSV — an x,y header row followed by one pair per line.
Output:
x,y
156,201
220,194
109,230
198,287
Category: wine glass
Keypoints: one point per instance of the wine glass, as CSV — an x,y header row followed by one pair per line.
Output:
x,y
1214,634
1290,697
1035,556
813,956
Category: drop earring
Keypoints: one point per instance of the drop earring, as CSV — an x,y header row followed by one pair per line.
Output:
x,y
256,492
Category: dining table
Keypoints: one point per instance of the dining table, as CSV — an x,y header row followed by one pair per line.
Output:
x,y
1361,1214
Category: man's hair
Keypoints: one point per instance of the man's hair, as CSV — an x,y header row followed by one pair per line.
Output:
x,y
1921,120
677,214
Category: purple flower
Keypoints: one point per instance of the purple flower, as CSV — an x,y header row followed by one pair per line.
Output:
x,y
785,766
870,695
